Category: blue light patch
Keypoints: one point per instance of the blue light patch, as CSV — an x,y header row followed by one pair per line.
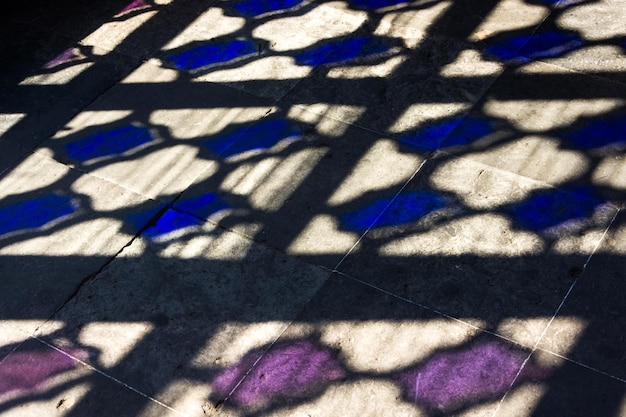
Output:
x,y
262,135
342,51
206,56
551,208
453,132
524,48
405,208
601,133
203,206
261,7
376,4
171,221
35,214
560,4
110,143
139,220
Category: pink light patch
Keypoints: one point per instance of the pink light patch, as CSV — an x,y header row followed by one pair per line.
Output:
x,y
133,7
69,55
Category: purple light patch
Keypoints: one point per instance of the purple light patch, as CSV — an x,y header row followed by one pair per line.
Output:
x,y
290,370
132,7
449,380
69,55
26,371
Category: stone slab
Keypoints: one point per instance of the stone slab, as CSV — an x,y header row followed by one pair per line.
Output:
x,y
58,228
592,38
465,20
39,380
399,80
147,133
596,302
47,79
10,154
566,134
474,242
179,304
264,45
291,175
564,387
356,350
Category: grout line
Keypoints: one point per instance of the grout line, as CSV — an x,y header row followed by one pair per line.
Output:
x,y
585,366
545,330
380,214
125,385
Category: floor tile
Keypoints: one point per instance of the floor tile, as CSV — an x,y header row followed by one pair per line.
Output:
x,y
287,178
585,37
364,352
254,51
564,388
40,69
39,380
194,297
10,154
474,242
57,228
305,208
596,303
459,19
153,147
396,81
564,136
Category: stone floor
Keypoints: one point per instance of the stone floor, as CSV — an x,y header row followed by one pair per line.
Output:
x,y
313,208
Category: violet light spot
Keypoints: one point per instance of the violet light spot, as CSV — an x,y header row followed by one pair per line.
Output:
x,y
27,371
450,380
290,370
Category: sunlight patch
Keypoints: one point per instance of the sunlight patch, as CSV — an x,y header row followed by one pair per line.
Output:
x,y
112,34
372,172
298,33
91,118
209,25
8,120
382,70
113,340
423,113
470,64
485,234
388,345
543,115
509,15
321,236
528,331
